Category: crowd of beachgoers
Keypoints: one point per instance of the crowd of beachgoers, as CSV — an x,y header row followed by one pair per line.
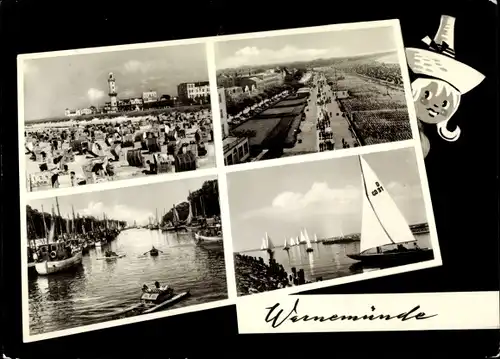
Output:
x,y
71,153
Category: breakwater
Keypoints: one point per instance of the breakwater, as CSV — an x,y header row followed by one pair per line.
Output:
x,y
254,275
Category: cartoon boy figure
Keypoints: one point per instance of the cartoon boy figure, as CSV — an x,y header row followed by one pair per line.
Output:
x,y
441,81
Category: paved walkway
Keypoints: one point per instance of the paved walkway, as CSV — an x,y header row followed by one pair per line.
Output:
x,y
308,130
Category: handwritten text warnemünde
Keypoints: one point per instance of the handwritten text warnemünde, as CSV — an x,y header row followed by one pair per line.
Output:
x,y
276,316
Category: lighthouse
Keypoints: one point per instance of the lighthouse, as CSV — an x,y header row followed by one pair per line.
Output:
x,y
112,92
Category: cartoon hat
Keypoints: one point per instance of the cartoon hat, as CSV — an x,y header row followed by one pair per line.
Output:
x,y
439,61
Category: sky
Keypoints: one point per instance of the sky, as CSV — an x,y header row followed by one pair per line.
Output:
x,y
125,204
53,84
303,47
323,196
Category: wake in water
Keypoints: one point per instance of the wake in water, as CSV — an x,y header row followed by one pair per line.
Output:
x,y
109,309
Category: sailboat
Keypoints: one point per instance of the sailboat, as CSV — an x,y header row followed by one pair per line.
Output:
x,y
315,239
176,222
308,243
56,257
189,219
267,244
384,225
302,238
286,247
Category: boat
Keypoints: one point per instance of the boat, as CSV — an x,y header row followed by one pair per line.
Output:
x,y
153,252
154,299
210,238
267,244
55,257
302,238
315,239
308,244
286,247
176,222
384,227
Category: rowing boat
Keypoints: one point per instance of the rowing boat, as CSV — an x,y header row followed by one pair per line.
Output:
x,y
176,298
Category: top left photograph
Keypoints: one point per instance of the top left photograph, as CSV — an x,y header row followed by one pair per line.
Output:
x,y
106,115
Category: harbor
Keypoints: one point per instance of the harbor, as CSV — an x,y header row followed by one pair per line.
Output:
x,y
90,269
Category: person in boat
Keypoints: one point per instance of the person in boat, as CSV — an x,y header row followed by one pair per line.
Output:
x,y
402,248
415,246
145,288
157,285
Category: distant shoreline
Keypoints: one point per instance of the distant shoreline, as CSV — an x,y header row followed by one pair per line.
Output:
x,y
419,228
118,114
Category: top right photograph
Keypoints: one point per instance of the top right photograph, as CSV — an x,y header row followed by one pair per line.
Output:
x,y
311,91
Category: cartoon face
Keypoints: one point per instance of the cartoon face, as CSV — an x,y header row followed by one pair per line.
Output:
x,y
436,102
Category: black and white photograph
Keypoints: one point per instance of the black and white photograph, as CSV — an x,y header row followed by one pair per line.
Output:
x,y
101,256
99,116
311,222
316,91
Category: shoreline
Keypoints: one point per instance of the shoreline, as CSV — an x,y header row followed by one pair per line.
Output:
x,y
253,275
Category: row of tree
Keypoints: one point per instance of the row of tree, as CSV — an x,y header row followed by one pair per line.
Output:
x,y
204,202
36,228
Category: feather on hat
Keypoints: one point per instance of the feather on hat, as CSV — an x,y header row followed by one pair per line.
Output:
x,y
439,61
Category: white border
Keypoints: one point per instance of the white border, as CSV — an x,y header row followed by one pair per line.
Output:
x,y
221,168
220,171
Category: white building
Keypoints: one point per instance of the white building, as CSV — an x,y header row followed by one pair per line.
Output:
x,y
149,96
191,90
86,111
72,113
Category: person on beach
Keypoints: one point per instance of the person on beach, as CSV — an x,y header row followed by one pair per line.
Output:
x,y
441,82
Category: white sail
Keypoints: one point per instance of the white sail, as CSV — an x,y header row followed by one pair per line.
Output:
x,y
302,237
308,242
292,242
315,240
286,244
52,231
263,246
297,241
306,235
270,244
382,221
175,215
189,218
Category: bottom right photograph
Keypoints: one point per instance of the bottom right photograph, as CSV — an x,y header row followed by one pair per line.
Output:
x,y
321,220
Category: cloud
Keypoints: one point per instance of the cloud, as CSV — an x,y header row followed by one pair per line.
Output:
x,y
320,199
94,95
401,192
254,56
118,212
143,67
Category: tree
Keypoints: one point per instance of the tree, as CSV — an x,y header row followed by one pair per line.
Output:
x,y
204,201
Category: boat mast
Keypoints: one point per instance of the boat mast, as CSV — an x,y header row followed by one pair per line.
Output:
x,y
59,215
73,227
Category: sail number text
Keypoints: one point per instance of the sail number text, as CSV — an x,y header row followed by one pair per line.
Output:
x,y
378,189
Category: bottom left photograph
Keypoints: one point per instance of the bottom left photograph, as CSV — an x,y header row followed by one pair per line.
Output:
x,y
101,256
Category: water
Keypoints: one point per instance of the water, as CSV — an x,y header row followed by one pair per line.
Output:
x,y
326,261
100,290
